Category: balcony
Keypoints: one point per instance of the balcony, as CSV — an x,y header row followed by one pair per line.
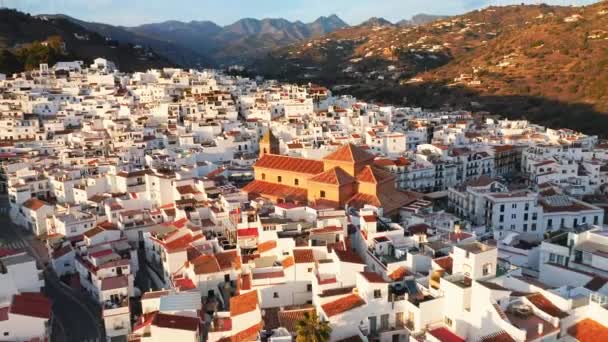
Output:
x,y
116,306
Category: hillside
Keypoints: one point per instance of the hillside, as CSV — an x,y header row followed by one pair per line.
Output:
x,y
21,36
180,55
546,63
237,42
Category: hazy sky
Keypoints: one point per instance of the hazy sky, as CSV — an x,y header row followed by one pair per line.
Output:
x,y
135,12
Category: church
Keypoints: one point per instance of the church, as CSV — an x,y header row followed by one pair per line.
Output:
x,y
346,177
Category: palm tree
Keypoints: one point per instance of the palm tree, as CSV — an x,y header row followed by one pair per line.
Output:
x,y
312,329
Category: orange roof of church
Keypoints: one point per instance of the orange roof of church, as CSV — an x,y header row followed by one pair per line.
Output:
x,y
292,164
350,153
260,188
336,176
371,174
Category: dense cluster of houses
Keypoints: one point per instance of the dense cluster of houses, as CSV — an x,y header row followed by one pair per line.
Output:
x,y
247,204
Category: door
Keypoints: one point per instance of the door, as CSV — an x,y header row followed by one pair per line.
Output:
x,y
372,325
399,319
384,322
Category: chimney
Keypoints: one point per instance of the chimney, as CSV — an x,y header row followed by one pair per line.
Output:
x,y
540,328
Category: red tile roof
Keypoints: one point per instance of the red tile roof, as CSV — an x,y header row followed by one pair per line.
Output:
x,y
33,204
261,188
247,232
184,284
546,305
176,322
373,277
249,334
350,153
342,305
288,262
205,264
303,256
371,174
334,176
445,263
289,318
292,164
399,273
589,330
445,335
501,336
228,260
112,283
348,256
31,304
243,303
267,246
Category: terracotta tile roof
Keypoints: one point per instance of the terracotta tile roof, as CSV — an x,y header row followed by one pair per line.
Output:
x,y
205,264
342,305
33,204
445,263
228,260
303,256
112,283
372,174
176,322
546,305
501,336
348,256
249,334
184,284
246,282
247,232
260,188
350,153
388,200
292,164
289,318
267,246
373,277
588,330
288,262
187,189
243,303
335,176
445,335
31,304
399,273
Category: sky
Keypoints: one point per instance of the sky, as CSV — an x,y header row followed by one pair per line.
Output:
x,y
224,12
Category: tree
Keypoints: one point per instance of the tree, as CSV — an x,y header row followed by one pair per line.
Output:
x,y
312,329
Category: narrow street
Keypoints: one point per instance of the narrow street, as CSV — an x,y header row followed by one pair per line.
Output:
x,y
75,317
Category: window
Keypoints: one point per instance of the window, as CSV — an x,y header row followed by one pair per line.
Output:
x,y
514,206
487,268
514,216
525,227
534,216
584,219
377,294
309,270
448,321
596,220
526,217
502,208
552,257
263,176
501,218
527,206
575,224
275,295
296,182
549,223
309,287
512,227
279,179
322,194
533,227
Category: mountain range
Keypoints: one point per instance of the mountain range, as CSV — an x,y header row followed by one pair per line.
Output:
x,y
540,62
